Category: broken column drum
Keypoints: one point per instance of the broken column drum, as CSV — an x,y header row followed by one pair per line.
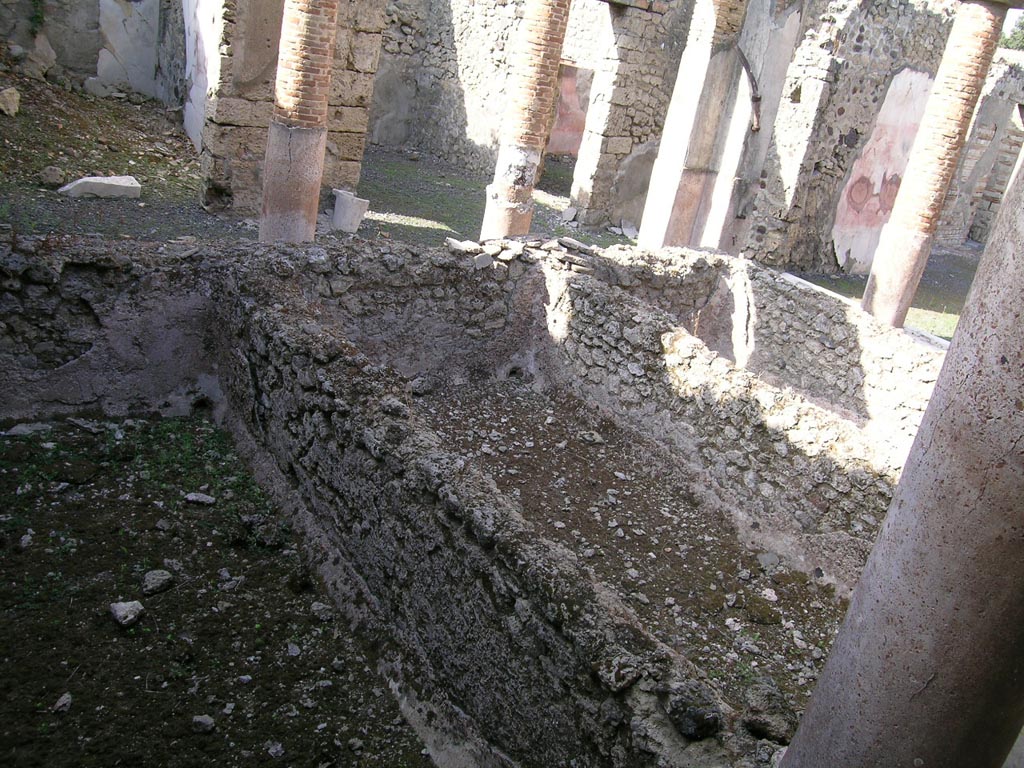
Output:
x,y
684,175
906,239
297,138
530,108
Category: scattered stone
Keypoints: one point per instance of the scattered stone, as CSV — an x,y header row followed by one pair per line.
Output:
x,y
591,436
356,745
104,187
483,261
575,245
768,560
200,498
569,213
245,679
41,59
63,704
693,711
51,176
462,246
630,230
293,649
10,101
420,386
156,581
95,87
25,542
203,724
322,611
274,749
767,715
127,613
23,430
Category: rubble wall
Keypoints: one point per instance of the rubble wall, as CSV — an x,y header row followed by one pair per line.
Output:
x,y
313,354
396,525
987,162
835,86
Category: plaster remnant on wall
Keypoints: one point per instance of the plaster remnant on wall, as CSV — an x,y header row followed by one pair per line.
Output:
x,y
130,31
875,176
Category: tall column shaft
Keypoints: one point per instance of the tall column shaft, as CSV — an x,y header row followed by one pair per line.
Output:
x,y
294,164
906,238
532,88
928,668
685,172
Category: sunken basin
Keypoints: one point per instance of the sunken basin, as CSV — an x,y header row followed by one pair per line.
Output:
x,y
594,508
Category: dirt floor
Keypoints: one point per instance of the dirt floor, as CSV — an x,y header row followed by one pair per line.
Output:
x,y
633,515
236,659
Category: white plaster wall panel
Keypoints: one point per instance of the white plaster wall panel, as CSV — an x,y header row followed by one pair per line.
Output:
x,y
204,20
130,33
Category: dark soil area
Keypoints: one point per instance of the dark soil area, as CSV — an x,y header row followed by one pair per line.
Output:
x,y
236,660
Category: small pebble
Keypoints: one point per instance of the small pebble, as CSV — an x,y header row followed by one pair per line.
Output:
x,y
203,724
63,704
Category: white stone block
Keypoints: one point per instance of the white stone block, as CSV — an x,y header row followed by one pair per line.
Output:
x,y
103,186
348,211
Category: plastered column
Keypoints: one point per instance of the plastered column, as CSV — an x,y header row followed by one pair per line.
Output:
x,y
533,84
297,139
684,174
928,668
906,239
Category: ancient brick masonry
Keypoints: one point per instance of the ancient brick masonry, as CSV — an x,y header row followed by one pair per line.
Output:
x,y
906,240
304,63
297,140
528,118
241,103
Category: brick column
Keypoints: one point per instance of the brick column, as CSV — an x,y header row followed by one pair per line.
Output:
x,y
297,138
684,174
926,670
906,239
533,81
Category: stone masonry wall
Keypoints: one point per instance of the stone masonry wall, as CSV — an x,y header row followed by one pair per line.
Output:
x,y
441,90
235,135
988,159
834,88
804,473
632,86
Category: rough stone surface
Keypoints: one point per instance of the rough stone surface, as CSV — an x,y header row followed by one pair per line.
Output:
x,y
10,101
234,134
127,613
157,581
